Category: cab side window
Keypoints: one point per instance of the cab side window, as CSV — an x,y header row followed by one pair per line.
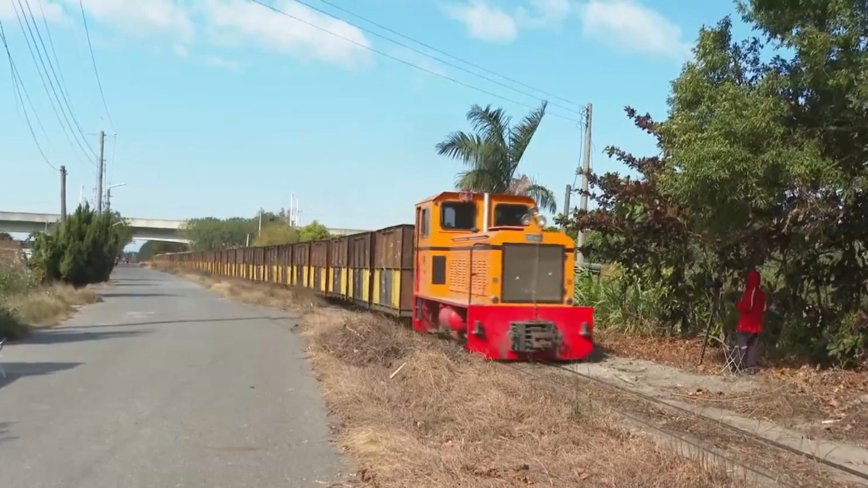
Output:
x,y
458,215
425,223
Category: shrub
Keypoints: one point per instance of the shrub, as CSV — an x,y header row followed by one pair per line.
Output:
x,y
82,251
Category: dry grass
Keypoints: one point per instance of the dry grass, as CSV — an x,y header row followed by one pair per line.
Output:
x,y
799,397
415,411
43,307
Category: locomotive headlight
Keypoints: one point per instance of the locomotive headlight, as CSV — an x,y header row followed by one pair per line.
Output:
x,y
541,220
526,219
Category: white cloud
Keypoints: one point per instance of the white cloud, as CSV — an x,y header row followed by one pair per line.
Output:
x,y
626,24
224,23
222,63
485,22
243,21
52,11
551,12
141,16
632,26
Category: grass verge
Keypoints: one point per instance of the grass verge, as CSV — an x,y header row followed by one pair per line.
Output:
x,y
40,307
416,411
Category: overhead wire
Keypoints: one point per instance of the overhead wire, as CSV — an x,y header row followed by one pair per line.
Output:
x,y
423,53
53,90
412,65
428,46
95,70
53,51
59,79
19,86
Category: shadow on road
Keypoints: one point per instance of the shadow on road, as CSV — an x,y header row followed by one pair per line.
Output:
x,y
170,322
63,336
15,371
123,295
4,428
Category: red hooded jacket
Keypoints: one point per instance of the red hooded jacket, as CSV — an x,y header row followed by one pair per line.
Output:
x,y
752,306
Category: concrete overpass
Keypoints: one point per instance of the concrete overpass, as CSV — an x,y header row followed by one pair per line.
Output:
x,y
143,229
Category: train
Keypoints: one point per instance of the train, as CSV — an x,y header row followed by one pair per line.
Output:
x,y
479,267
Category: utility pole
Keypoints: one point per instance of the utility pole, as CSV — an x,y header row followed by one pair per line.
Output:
x,y
63,194
567,202
586,171
100,171
260,222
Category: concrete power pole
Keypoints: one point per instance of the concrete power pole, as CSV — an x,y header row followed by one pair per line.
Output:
x,y
100,171
586,171
63,194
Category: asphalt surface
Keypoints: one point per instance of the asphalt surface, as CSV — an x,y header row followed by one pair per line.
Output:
x,y
164,384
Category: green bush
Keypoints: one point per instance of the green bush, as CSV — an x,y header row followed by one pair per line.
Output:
x,y
621,305
15,280
82,251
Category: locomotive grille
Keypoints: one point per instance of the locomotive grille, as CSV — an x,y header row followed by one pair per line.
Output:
x,y
533,273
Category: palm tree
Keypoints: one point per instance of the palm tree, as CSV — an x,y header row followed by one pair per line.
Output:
x,y
493,152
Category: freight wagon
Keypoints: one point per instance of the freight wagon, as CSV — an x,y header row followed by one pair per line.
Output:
x,y
479,266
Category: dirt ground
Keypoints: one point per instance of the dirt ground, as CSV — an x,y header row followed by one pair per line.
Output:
x,y
829,404
481,424
415,411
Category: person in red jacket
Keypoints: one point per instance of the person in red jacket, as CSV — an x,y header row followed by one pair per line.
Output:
x,y
752,309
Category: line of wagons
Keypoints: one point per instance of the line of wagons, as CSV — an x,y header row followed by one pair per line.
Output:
x,y
371,269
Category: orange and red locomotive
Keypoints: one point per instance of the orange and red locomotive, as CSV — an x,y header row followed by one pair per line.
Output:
x,y
479,266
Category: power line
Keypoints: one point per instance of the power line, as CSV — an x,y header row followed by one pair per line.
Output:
x,y
53,52
51,65
19,85
95,71
428,46
441,60
381,53
41,62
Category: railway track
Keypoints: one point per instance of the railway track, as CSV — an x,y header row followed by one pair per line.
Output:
x,y
715,443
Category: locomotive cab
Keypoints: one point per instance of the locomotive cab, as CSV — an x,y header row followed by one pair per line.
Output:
x,y
488,272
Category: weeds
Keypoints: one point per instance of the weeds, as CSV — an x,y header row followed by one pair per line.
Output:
x,y
24,303
414,411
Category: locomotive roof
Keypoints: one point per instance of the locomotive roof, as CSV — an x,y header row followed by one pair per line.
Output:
x,y
451,195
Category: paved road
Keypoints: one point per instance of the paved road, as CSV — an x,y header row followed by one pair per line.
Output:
x,y
164,384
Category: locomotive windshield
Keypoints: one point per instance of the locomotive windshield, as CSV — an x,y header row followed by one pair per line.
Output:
x,y
458,215
509,214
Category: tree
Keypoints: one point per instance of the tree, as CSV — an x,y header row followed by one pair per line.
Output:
x,y
82,250
277,233
212,233
152,248
493,153
314,231
762,164
5,236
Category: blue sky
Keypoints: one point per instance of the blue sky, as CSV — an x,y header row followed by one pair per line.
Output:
x,y
222,106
